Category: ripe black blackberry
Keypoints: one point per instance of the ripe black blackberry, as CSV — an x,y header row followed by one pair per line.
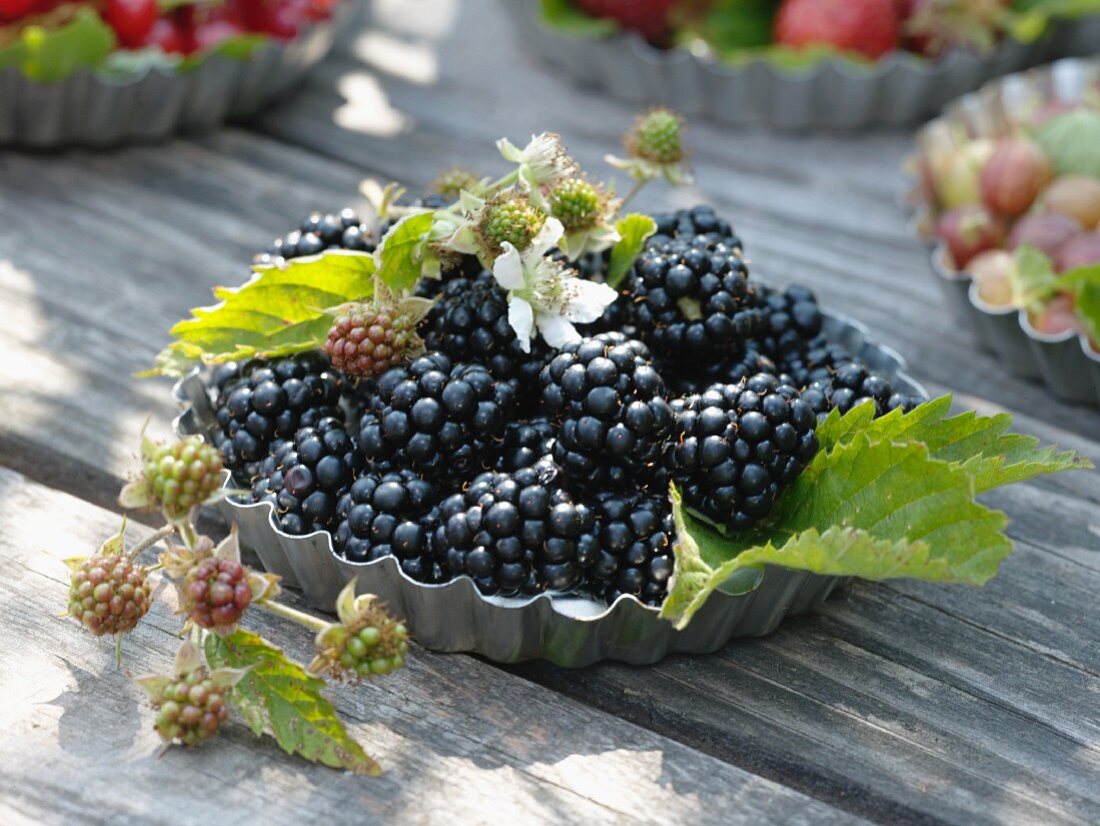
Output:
x,y
636,533
518,533
792,321
469,323
608,403
693,299
525,442
258,402
318,232
852,384
390,514
732,370
310,475
437,419
738,446
686,224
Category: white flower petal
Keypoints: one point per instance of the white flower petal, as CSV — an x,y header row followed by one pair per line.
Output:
x,y
508,269
548,237
522,320
464,240
588,300
509,150
557,330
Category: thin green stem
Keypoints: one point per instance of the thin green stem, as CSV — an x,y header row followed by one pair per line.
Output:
x,y
634,190
188,535
507,180
153,539
294,615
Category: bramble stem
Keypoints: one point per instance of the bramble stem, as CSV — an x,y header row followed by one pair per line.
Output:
x,y
153,539
634,190
293,614
188,534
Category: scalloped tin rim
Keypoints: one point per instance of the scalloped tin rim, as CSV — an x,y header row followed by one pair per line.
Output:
x,y
567,629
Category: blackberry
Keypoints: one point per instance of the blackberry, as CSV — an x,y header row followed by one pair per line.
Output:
x,y
437,419
258,402
108,593
310,475
727,371
686,224
318,232
518,533
853,384
693,299
636,533
370,337
469,323
738,446
525,442
608,403
390,514
216,593
792,321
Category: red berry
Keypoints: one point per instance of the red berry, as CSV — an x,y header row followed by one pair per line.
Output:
x,y
1044,231
650,18
968,230
14,9
107,594
1079,251
869,27
1057,317
216,593
190,708
1077,196
1014,176
213,32
368,339
170,36
132,20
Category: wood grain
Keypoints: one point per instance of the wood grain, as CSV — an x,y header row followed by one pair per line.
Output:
x,y
454,734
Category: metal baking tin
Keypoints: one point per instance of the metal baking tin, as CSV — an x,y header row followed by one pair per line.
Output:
x,y
90,109
567,629
1065,363
833,93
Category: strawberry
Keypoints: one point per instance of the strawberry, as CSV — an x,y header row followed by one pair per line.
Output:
x,y
869,27
15,9
650,18
132,20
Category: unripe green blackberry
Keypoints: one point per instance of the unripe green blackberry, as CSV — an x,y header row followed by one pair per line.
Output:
x,y
183,474
576,203
450,184
656,137
107,593
368,339
515,221
190,708
366,642
216,593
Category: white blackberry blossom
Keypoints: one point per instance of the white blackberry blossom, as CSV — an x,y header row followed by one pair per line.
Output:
x,y
543,162
543,295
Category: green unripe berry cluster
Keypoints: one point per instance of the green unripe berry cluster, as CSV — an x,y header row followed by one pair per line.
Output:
x,y
656,137
576,203
367,652
190,709
184,474
515,221
107,594
452,182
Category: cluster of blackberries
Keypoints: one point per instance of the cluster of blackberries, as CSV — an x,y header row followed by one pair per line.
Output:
x,y
319,232
550,470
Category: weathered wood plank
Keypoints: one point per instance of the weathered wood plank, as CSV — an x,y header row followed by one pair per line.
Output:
x,y
455,735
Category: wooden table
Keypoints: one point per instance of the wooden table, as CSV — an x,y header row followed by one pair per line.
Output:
x,y
899,703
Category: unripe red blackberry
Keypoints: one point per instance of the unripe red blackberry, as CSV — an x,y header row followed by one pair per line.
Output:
x,y
216,593
107,593
368,339
183,474
190,708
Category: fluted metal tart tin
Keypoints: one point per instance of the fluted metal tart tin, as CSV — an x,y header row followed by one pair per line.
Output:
x,y
1065,363
567,629
838,94
93,109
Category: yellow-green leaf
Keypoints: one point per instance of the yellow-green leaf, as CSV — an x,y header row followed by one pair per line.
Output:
x,y
278,697
633,230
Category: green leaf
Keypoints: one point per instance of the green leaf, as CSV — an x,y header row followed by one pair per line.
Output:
x,y
1088,309
1034,279
1072,142
399,253
731,25
977,444
918,514
566,18
52,54
238,47
280,311
278,697
633,230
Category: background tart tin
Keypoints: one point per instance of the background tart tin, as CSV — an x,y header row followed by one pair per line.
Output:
x,y
567,629
838,94
1065,363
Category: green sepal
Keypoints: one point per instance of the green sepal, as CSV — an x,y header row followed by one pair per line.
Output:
x,y
633,231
